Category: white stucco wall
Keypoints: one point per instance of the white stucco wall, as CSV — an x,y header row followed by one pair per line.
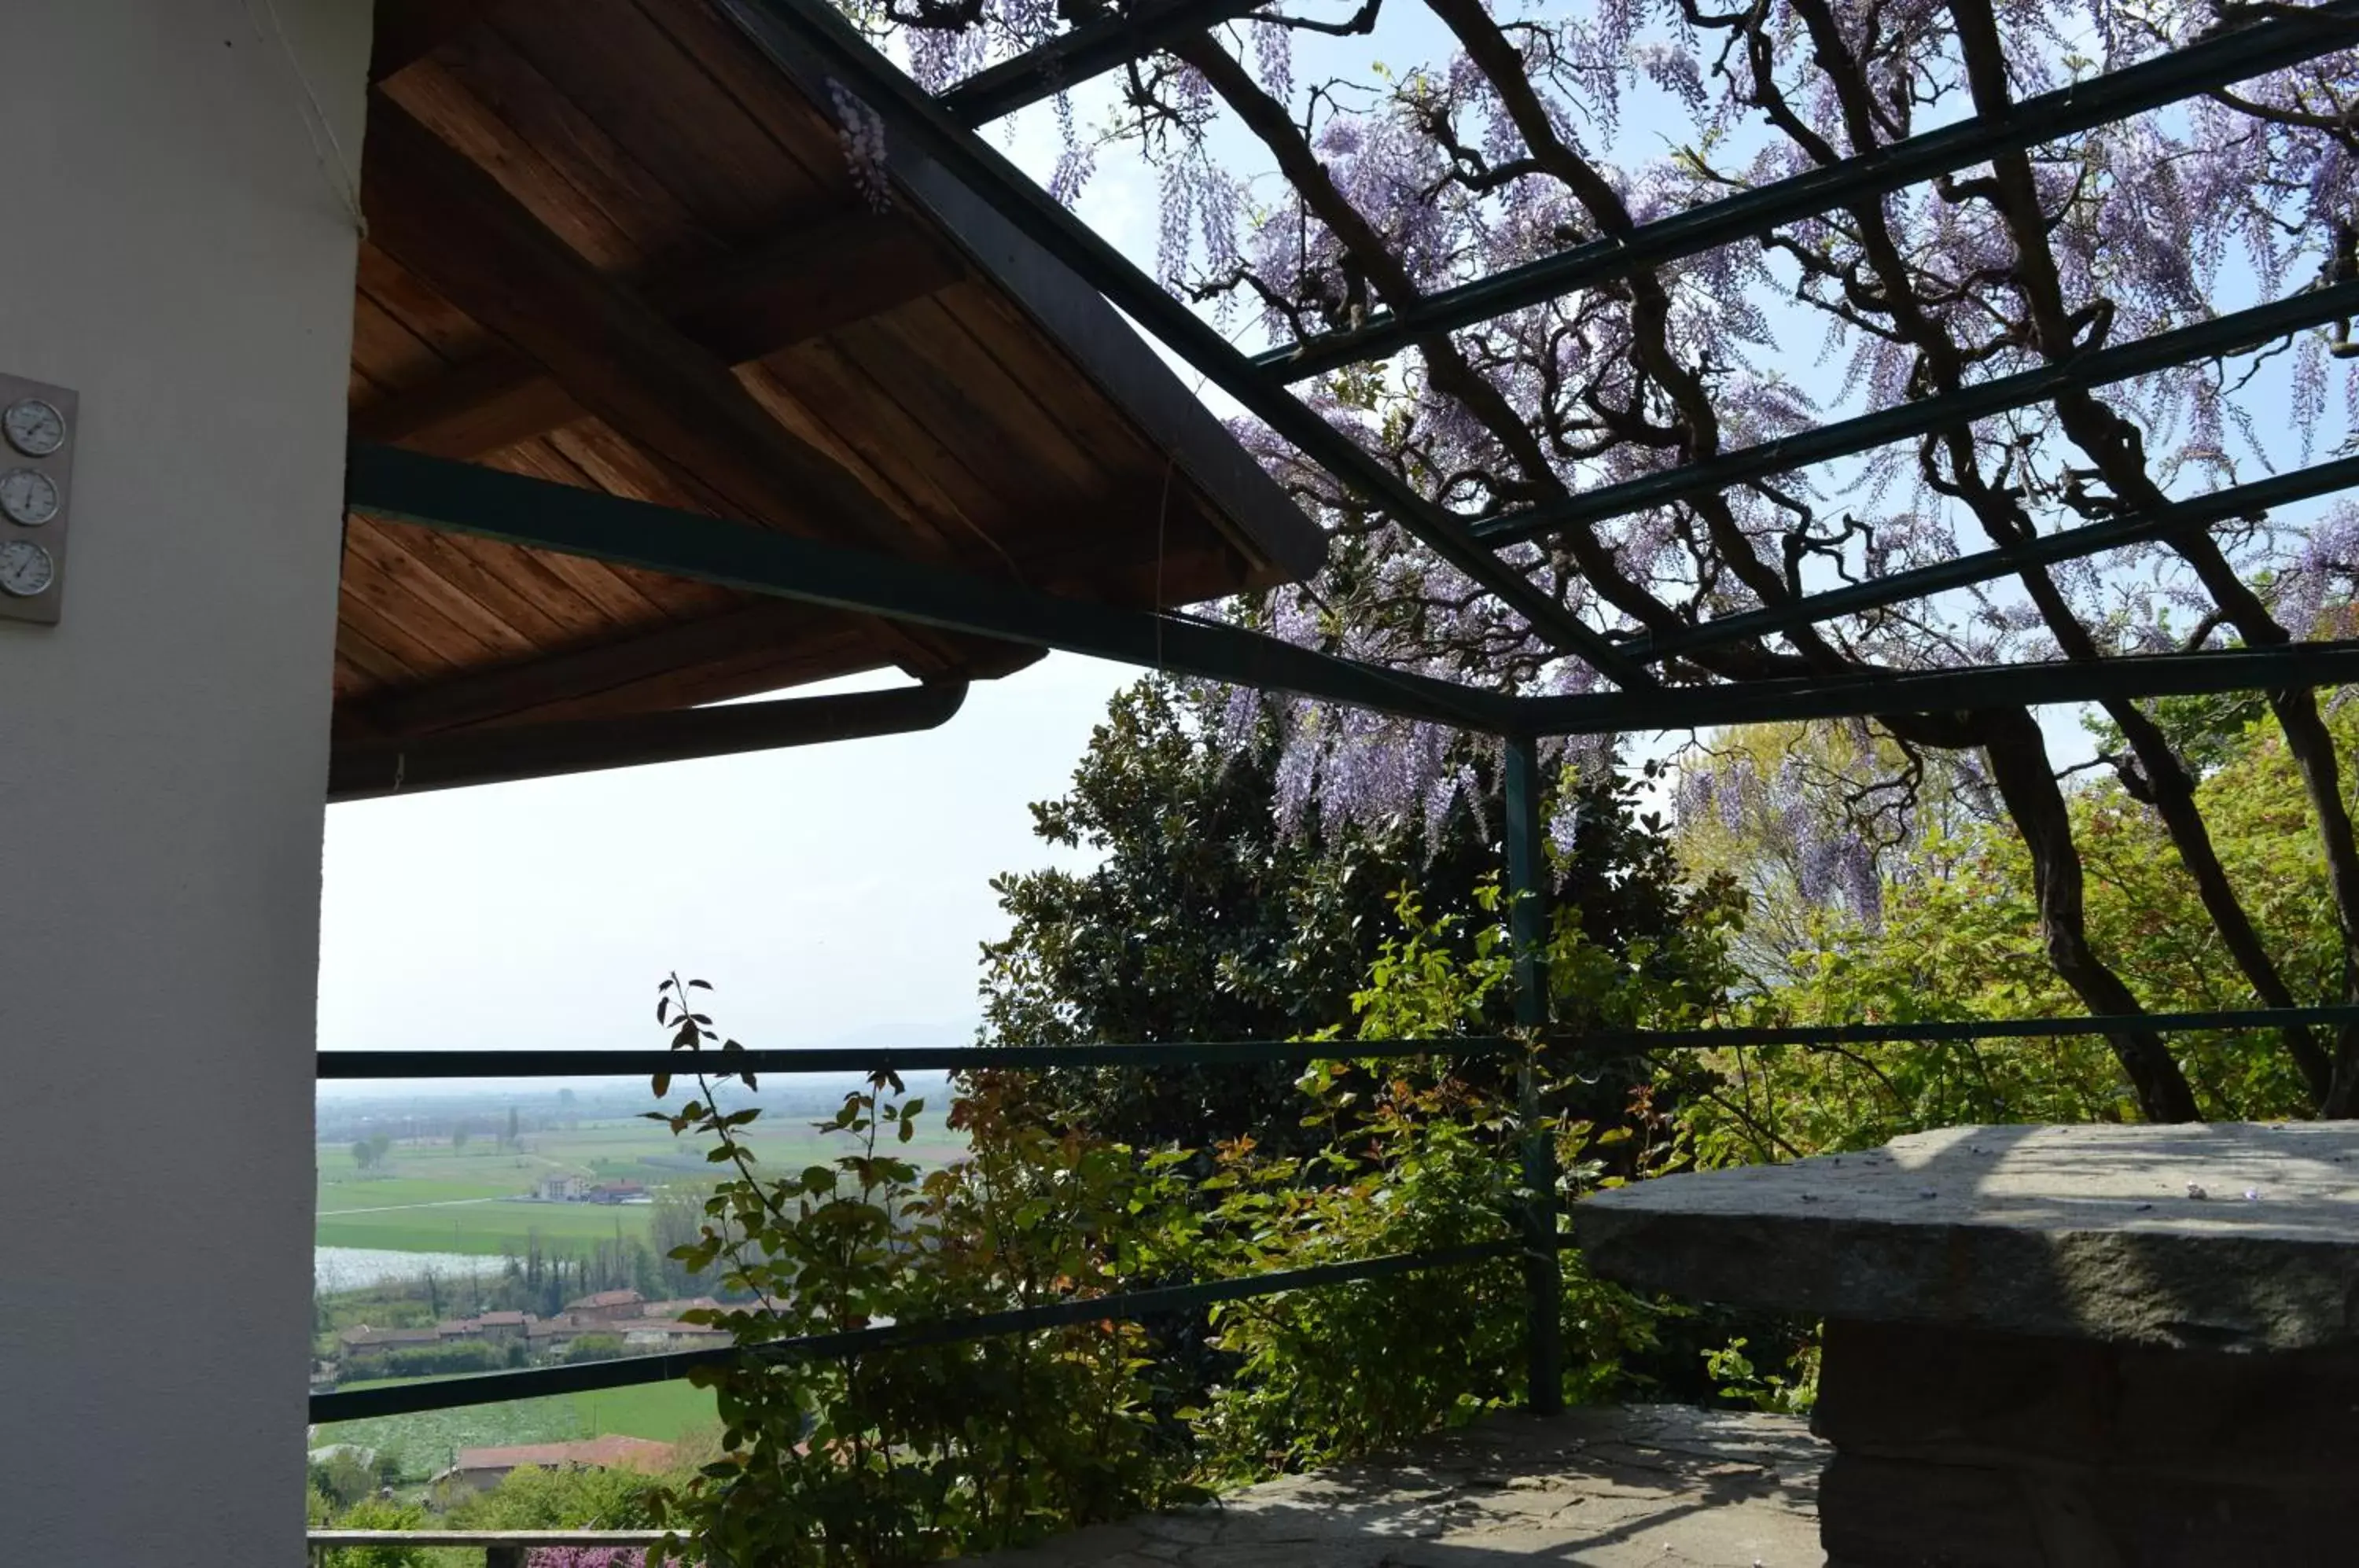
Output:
x,y
171,249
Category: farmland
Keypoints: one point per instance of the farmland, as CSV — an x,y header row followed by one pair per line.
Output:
x,y
427,1441
425,1195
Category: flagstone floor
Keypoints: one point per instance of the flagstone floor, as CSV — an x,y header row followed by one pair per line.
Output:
x,y
1661,1486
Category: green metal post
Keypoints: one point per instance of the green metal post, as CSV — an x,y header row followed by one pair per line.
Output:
x,y
1527,890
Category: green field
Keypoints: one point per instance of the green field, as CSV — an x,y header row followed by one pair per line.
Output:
x,y
427,1441
429,1197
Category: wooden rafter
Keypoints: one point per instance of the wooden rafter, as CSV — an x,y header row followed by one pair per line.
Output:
x,y
751,649
455,228
819,276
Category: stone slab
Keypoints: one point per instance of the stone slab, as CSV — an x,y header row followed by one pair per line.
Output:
x,y
2229,1237
1637,1487
2006,1451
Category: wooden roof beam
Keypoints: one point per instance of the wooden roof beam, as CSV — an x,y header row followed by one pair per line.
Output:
x,y
375,770
504,694
823,274
456,230
703,660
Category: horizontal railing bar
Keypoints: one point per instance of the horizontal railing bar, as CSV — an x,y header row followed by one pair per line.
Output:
x,y
2235,56
461,498
484,1537
2237,1018
812,44
350,1064
1091,50
2220,336
1873,694
1989,565
498,1387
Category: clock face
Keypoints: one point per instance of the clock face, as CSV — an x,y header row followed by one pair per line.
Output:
x,y
28,497
26,568
33,427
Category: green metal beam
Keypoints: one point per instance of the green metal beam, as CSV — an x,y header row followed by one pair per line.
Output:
x,y
1989,565
811,43
1847,438
1091,50
1811,1037
2232,56
1527,918
347,1066
1947,690
407,487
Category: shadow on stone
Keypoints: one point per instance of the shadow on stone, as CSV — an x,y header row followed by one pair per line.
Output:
x,y
1593,1488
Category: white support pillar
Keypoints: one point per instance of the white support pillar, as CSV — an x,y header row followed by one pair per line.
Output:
x,y
177,245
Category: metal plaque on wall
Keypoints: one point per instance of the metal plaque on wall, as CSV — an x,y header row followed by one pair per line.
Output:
x,y
36,446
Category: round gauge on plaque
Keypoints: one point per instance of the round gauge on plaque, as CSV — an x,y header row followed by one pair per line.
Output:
x,y
28,496
26,568
34,427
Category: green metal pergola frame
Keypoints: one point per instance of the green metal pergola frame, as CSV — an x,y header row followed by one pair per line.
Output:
x,y
811,43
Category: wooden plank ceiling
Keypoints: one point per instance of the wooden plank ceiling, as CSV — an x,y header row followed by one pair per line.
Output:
x,y
609,245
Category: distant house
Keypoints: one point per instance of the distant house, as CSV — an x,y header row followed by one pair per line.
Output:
x,y
618,1192
673,1309
608,1305
480,1469
562,1189
503,1325
560,1329
663,1334
362,1340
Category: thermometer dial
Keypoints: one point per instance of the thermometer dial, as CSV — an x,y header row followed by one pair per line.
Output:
x,y
28,497
26,568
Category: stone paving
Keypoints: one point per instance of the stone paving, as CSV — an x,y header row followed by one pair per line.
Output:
x,y
1662,1486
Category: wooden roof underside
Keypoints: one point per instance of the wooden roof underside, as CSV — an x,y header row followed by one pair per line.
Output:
x,y
609,244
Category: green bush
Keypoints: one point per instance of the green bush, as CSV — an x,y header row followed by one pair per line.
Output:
x,y
373,1513
572,1498
344,1479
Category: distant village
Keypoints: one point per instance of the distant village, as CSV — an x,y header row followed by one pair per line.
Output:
x,y
639,1324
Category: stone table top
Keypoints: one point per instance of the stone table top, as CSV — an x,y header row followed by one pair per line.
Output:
x,y
2227,1237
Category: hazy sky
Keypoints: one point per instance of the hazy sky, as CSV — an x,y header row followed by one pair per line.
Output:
x,y
831,893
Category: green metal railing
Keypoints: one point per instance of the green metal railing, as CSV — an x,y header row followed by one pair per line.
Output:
x,y
1537,1243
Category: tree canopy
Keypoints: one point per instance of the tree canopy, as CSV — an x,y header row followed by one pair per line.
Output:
x,y
1208,918
1295,204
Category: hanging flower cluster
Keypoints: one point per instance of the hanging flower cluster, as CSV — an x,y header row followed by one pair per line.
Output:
x,y
860,130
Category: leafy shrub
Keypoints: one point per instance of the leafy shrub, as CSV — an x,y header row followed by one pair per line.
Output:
x,y
903,1453
906,1454
372,1513
571,1496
